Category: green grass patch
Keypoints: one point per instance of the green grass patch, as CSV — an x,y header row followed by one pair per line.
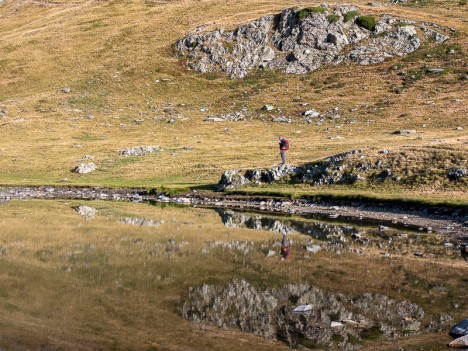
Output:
x,y
333,18
304,13
348,16
89,137
367,22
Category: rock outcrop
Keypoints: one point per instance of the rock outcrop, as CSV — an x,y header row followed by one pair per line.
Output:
x,y
333,319
375,166
300,41
84,168
235,179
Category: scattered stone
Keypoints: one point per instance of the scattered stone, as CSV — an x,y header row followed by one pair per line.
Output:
x,y
281,119
458,174
459,128
313,248
418,254
214,119
84,168
141,222
89,116
312,113
231,117
139,150
86,211
435,70
383,228
404,131
66,90
267,108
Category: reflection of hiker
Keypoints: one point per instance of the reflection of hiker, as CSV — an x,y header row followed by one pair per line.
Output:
x,y
285,253
283,145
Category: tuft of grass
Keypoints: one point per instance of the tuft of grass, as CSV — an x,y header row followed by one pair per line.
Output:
x,y
367,22
348,16
304,13
333,18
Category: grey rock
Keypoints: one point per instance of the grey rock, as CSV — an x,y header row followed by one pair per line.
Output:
x,y
268,108
139,150
435,70
313,248
66,90
141,222
458,174
281,119
460,343
312,113
84,168
231,117
231,179
87,212
404,131
214,119
435,35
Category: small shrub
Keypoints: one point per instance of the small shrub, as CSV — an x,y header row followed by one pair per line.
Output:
x,y
348,16
333,18
367,22
307,11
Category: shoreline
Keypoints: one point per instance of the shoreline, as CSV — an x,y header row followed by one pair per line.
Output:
x,y
450,222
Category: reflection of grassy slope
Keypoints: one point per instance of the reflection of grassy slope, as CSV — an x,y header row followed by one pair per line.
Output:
x,y
125,281
112,54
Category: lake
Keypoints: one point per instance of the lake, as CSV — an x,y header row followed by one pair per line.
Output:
x,y
100,275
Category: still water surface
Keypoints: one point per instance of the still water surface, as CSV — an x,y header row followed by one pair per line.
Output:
x,y
101,275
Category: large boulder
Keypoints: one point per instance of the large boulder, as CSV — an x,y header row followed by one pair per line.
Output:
x,y
84,168
231,179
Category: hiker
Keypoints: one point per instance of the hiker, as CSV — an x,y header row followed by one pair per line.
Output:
x,y
285,253
283,145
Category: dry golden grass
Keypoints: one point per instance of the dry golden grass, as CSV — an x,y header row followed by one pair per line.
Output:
x,y
111,53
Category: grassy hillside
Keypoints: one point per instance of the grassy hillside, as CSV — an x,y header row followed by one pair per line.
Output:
x,y
116,58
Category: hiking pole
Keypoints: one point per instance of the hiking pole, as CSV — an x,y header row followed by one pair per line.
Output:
x,y
276,159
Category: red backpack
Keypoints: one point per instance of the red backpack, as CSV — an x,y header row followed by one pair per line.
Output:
x,y
286,144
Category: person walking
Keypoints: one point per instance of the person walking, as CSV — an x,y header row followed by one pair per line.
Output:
x,y
283,145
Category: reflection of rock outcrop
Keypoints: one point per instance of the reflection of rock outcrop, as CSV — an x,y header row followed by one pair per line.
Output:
x,y
233,219
268,313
